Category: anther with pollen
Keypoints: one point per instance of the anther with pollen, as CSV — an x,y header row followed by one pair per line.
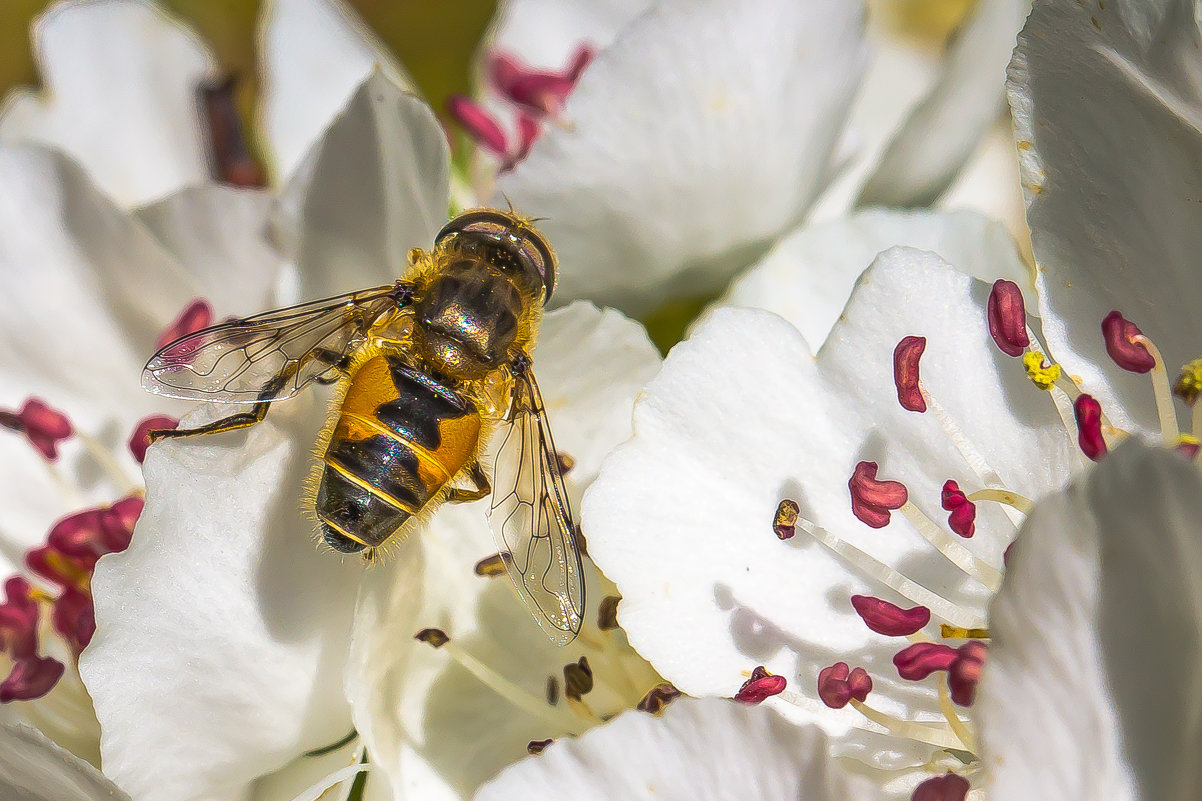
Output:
x,y
784,522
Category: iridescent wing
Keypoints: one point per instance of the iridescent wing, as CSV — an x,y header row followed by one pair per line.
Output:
x,y
269,356
532,520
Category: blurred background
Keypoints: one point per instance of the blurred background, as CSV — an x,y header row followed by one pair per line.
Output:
x,y
436,41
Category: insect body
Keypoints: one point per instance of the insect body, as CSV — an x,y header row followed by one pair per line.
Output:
x,y
431,367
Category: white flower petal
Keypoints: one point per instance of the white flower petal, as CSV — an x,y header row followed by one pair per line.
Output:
x,y
671,185
376,185
742,416
87,292
989,184
435,730
1091,689
304,772
1091,89
121,81
219,235
941,132
315,54
34,769
809,275
83,283
546,33
698,750
222,630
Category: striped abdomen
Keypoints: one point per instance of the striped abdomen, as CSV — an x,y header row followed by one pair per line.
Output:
x,y
400,438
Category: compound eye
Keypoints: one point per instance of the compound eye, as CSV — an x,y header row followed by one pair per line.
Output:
x,y
526,245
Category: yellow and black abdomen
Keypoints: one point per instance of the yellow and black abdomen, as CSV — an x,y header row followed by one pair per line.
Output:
x,y
401,436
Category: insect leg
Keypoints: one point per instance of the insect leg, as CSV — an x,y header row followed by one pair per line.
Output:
x,y
340,362
231,423
483,488
234,421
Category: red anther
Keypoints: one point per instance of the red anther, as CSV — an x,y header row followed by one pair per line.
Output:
x,y
30,678
62,569
760,686
528,130
580,59
120,520
541,92
905,373
1189,449
43,426
481,126
965,672
963,517
196,315
19,619
948,787
872,500
837,685
1089,426
921,659
1007,317
74,618
78,540
139,441
890,619
1119,334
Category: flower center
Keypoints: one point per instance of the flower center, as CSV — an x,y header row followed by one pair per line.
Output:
x,y
604,679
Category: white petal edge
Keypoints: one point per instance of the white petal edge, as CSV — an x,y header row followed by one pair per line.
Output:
x,y
221,631
314,53
34,769
121,80
706,749
1110,231
688,177
219,235
1102,593
374,186
942,131
808,276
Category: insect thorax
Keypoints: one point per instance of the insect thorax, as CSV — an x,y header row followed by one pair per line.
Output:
x,y
469,317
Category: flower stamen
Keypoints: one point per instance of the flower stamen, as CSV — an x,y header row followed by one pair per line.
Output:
x,y
536,707
891,578
1163,392
951,549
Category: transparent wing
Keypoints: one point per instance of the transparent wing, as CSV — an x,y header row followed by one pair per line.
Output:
x,y
269,356
532,520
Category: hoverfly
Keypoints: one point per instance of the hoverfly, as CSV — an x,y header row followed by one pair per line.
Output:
x,y
430,369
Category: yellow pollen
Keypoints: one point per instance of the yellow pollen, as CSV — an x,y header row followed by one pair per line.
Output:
x,y
1189,382
74,574
960,633
40,595
1042,374
1188,439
